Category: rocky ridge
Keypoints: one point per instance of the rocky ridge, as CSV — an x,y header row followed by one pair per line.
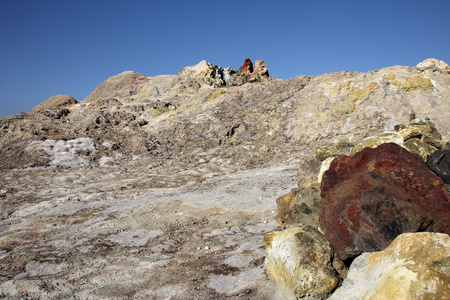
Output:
x,y
146,181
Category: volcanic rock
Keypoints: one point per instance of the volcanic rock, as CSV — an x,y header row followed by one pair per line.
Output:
x,y
247,67
54,103
414,266
302,262
370,198
119,86
439,163
180,190
261,69
299,207
434,63
204,71
419,136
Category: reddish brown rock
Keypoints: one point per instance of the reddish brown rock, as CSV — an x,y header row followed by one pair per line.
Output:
x,y
247,67
370,198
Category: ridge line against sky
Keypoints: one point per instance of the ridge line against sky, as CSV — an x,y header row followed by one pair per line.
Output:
x,y
52,47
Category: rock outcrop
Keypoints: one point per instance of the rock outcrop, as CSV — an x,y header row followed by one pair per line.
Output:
x,y
371,198
261,69
414,266
218,76
54,103
434,63
247,67
302,262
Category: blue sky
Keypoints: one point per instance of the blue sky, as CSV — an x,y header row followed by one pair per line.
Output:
x,y
69,47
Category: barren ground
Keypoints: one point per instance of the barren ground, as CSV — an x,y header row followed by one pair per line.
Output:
x,y
136,232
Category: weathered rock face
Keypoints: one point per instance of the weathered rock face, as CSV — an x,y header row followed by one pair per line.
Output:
x,y
371,198
261,69
434,63
54,103
204,71
414,266
302,261
247,67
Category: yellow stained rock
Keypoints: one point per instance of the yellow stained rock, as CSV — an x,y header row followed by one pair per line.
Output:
x,y
413,266
300,260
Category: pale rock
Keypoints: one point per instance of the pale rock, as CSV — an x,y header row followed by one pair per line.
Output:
x,y
414,266
390,125
324,167
433,62
260,68
204,71
302,263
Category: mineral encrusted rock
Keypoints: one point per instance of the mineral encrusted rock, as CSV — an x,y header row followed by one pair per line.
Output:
x,y
419,136
371,198
434,63
414,266
217,76
302,262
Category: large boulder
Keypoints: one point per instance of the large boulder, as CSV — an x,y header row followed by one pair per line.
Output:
x,y
414,266
370,198
302,263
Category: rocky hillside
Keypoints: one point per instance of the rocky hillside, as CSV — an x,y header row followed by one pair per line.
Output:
x,y
190,119
164,186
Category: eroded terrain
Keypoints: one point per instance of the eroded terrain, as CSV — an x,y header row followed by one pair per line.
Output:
x,y
130,231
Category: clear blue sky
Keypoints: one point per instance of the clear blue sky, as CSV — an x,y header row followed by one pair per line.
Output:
x,y
69,47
